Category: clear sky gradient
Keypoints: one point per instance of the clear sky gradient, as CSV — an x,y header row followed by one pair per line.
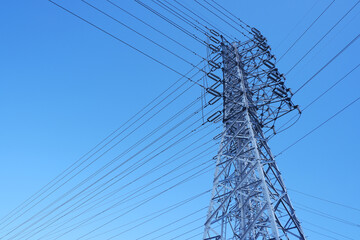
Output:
x,y
65,86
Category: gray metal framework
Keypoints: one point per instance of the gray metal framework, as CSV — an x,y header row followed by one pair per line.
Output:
x,y
249,199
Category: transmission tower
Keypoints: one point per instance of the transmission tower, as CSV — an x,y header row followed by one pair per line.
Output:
x,y
249,199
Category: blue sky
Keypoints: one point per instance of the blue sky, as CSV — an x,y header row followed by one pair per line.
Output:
x,y
65,86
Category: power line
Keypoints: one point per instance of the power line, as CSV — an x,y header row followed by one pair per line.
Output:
x,y
116,175
172,7
297,24
136,193
321,234
330,61
158,213
191,230
320,125
169,161
331,87
89,164
107,143
176,229
142,35
155,29
120,40
184,19
226,15
221,19
103,211
231,14
165,226
194,236
201,18
137,190
307,29
179,16
198,173
89,221
178,114
326,215
317,98
147,136
172,23
325,200
193,176
328,230
322,38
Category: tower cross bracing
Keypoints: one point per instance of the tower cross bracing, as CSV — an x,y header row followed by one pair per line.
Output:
x,y
249,199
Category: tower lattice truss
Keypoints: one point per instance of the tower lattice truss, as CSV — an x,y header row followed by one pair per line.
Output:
x,y
249,199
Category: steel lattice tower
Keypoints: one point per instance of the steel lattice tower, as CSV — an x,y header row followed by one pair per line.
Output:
x,y
249,199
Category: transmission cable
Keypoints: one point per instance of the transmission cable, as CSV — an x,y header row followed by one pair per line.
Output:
x,y
17,209
327,230
142,35
172,23
326,215
155,29
296,25
117,175
107,173
163,164
128,148
191,177
156,214
231,14
317,127
325,200
88,165
222,19
195,20
307,29
157,167
153,181
317,98
194,236
174,230
161,228
81,223
321,234
330,61
125,43
193,229
85,222
199,17
139,189
239,24
114,144
322,38
133,197
179,16
153,215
